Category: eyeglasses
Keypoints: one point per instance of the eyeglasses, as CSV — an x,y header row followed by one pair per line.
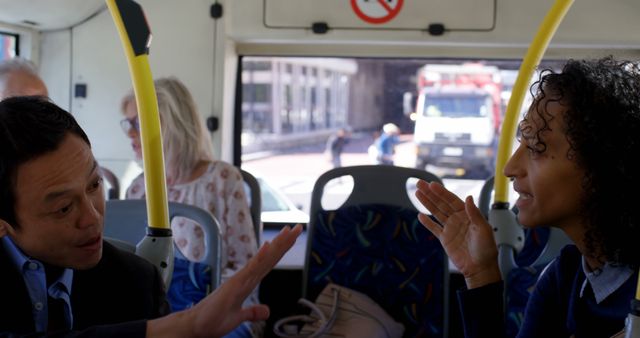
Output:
x,y
128,124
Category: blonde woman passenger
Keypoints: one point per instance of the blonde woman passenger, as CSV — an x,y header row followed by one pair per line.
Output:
x,y
194,177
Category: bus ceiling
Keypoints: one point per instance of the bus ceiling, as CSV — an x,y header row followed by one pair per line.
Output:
x,y
487,28
48,15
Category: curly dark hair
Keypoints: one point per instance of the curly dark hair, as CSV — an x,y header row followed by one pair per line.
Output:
x,y
602,124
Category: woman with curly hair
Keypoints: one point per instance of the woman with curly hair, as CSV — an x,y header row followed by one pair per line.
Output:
x,y
575,169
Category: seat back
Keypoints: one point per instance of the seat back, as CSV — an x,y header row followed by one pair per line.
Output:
x,y
372,185
522,276
255,201
126,224
113,193
374,244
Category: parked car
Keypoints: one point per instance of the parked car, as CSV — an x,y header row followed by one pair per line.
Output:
x,y
277,207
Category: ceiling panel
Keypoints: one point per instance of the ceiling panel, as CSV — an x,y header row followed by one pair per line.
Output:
x,y
47,14
381,14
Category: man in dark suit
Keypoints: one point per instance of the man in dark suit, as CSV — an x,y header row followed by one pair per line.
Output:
x,y
58,276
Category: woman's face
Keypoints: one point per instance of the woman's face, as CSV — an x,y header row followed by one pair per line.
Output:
x,y
131,127
549,182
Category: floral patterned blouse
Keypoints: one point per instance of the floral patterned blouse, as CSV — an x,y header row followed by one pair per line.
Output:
x,y
220,190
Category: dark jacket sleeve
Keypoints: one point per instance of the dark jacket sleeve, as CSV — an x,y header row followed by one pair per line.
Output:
x,y
482,311
113,299
162,305
547,307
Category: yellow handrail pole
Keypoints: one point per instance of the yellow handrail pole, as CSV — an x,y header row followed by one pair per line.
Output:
x,y
157,245
537,48
151,137
508,233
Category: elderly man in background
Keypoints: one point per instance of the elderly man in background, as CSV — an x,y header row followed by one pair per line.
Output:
x,y
19,77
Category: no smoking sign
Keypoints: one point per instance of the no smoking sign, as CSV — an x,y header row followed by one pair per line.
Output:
x,y
376,11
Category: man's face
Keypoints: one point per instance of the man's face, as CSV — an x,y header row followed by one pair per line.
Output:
x,y
59,206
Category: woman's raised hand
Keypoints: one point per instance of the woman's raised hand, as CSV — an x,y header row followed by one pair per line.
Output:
x,y
463,231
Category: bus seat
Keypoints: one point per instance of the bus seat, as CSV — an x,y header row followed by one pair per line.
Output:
x,y
125,225
484,199
252,187
113,193
522,269
374,244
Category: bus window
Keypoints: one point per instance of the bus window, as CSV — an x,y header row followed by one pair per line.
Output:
x,y
8,46
291,106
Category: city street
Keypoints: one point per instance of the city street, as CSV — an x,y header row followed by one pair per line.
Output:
x,y
295,173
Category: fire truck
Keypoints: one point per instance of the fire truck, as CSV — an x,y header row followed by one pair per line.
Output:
x,y
457,117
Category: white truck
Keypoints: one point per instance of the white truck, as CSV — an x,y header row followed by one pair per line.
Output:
x,y
457,118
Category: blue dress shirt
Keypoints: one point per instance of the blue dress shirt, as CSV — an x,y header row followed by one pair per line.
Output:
x,y
35,280
605,280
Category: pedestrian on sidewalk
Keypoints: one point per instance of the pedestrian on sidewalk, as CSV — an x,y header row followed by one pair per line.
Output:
x,y
335,146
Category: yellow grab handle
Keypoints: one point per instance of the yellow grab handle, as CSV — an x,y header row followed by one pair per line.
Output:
x,y
537,48
135,36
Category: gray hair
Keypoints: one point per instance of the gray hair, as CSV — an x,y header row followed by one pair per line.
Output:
x,y
185,139
17,64
20,77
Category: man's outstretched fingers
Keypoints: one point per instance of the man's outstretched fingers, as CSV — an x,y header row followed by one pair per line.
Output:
x,y
267,257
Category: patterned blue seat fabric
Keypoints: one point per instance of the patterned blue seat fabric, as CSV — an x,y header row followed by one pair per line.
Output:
x,y
384,252
521,280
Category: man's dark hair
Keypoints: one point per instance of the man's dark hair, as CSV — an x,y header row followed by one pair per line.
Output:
x,y
602,123
30,126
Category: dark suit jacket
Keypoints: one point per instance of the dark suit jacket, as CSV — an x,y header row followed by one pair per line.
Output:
x,y
123,288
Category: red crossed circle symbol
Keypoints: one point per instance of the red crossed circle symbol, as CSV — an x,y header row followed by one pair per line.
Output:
x,y
370,10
